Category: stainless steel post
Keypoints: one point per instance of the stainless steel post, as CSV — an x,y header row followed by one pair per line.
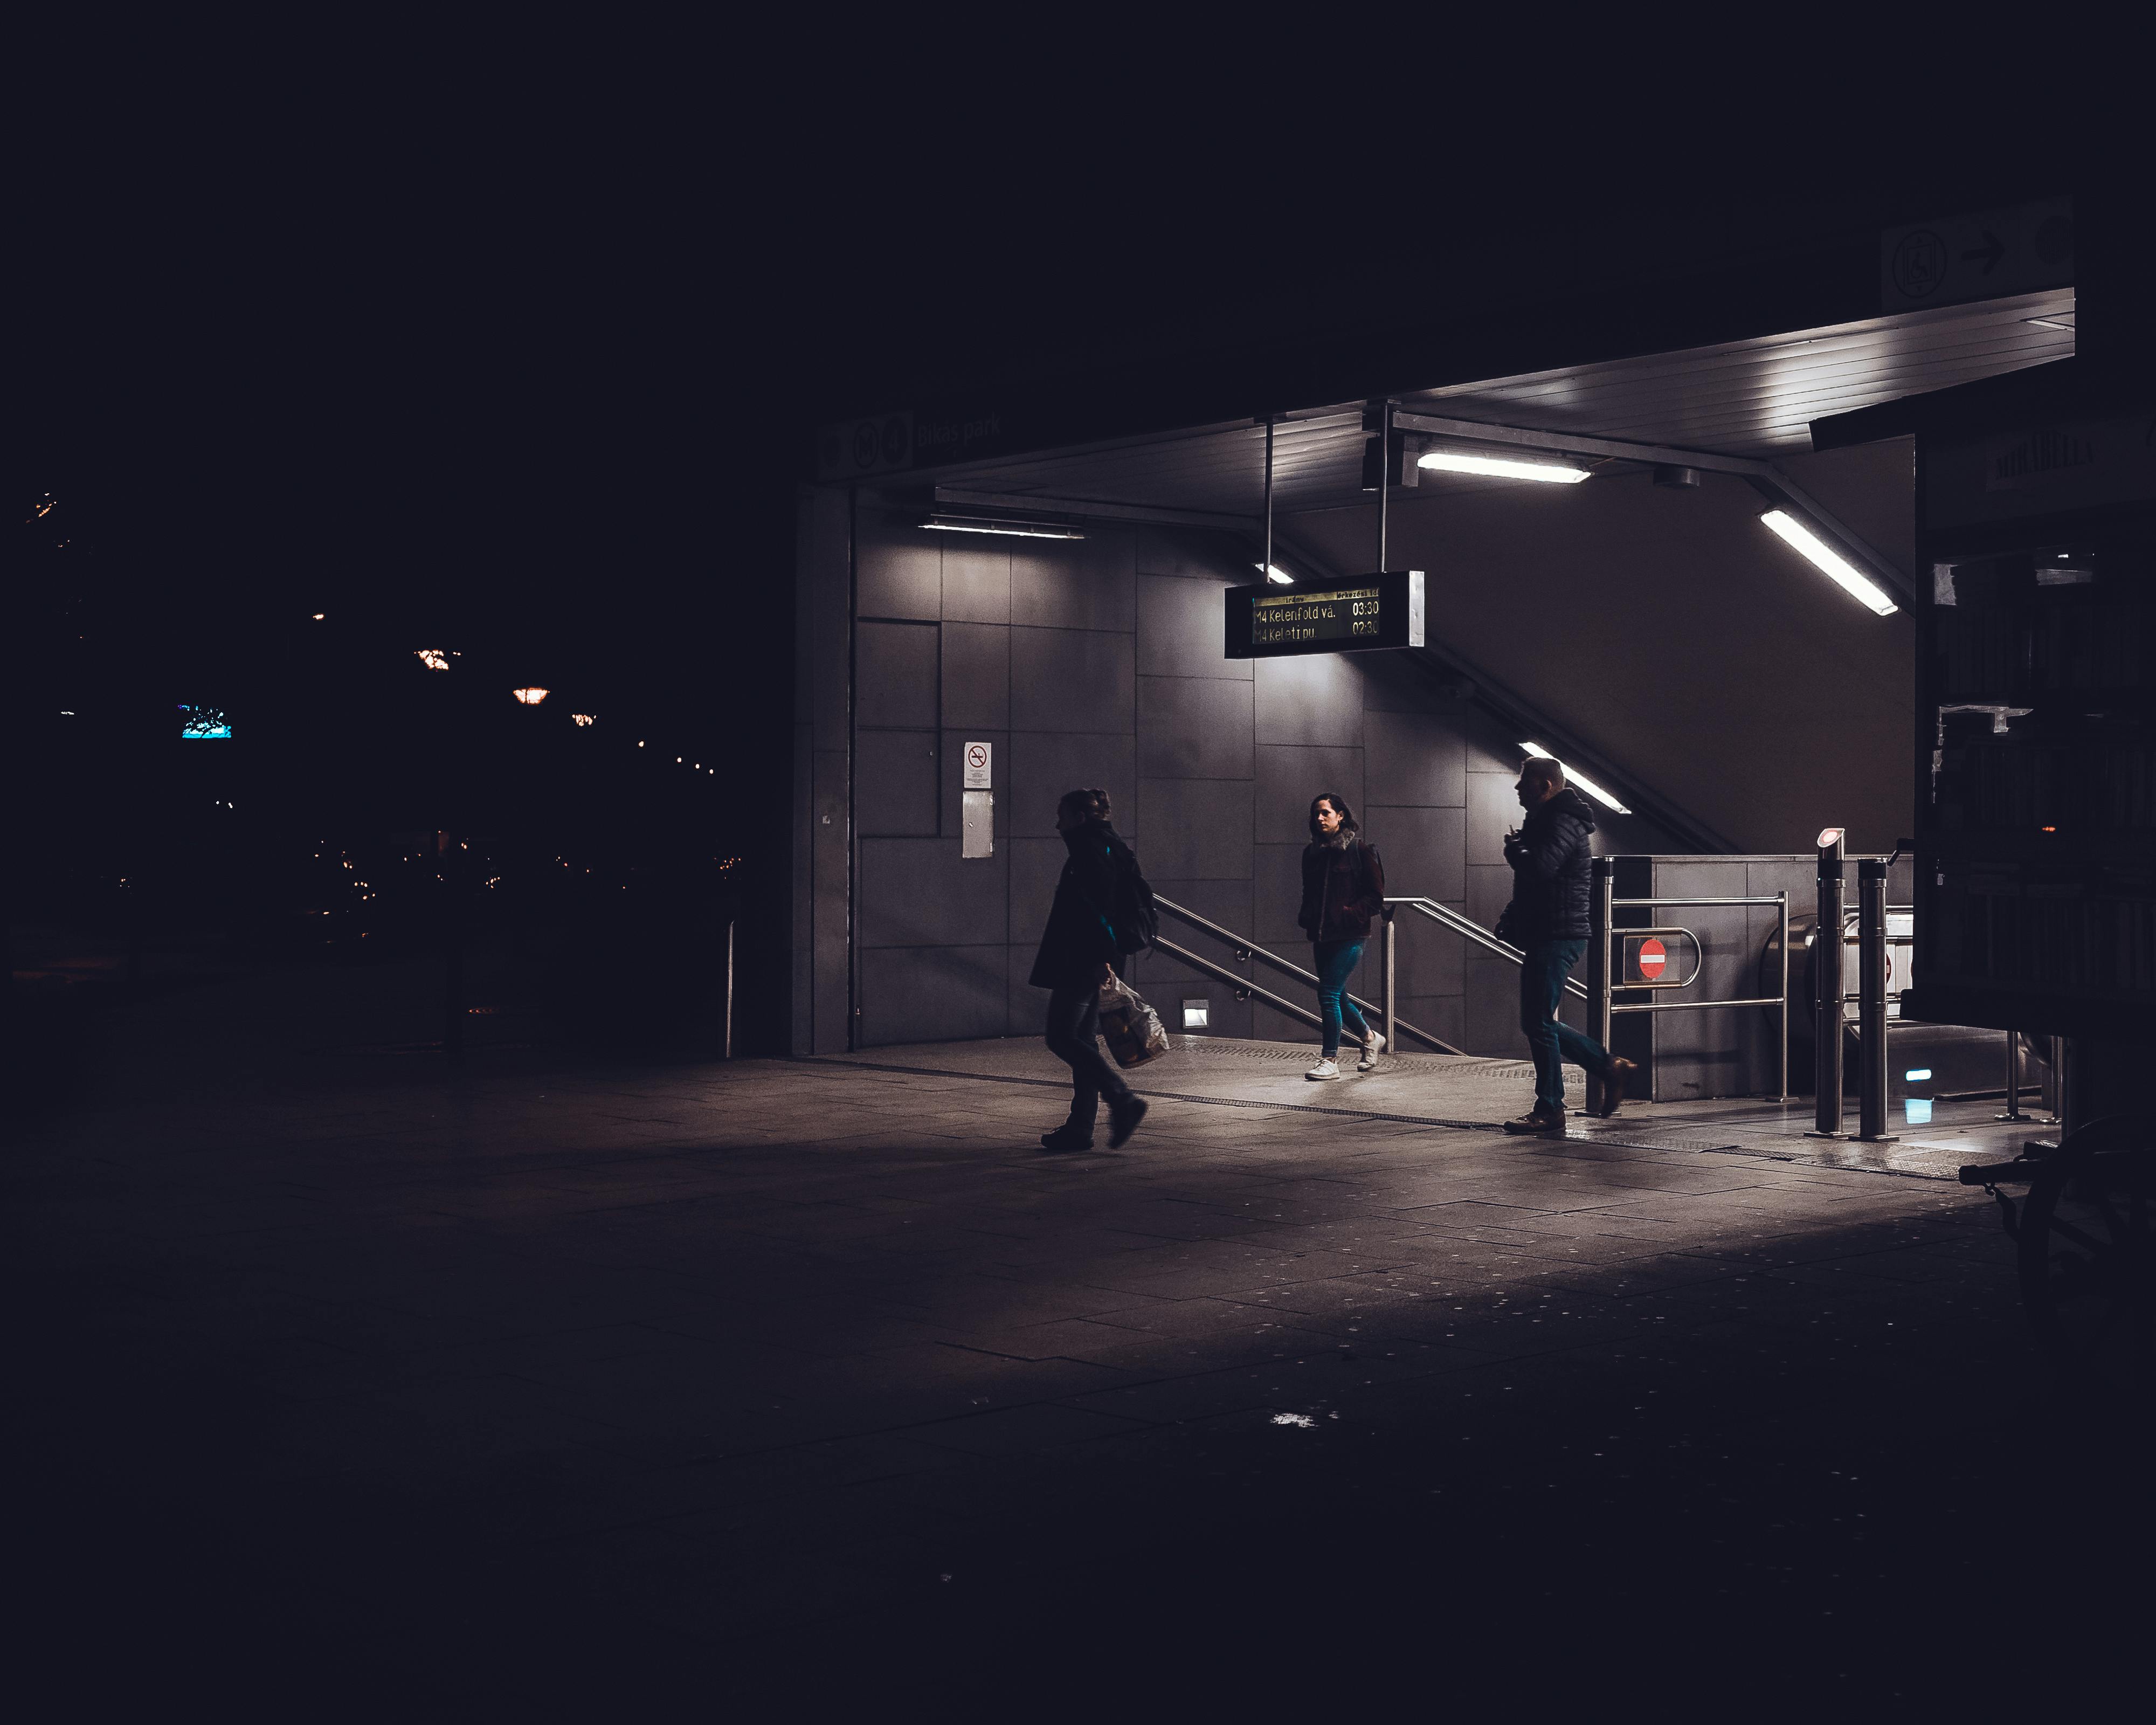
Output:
x,y
1872,1001
1392,980
1827,990
2013,1079
2054,1098
1782,1017
1600,907
729,1053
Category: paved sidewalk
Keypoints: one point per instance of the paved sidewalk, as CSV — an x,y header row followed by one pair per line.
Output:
x,y
508,1390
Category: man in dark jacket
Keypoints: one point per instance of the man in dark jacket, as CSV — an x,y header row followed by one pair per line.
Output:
x,y
1551,856
1091,926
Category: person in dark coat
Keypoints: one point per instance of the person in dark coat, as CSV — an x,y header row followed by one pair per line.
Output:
x,y
1343,886
1091,930
1551,856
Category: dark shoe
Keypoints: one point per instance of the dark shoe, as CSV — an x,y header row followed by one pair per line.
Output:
x,y
1065,1137
1123,1118
1613,1084
1537,1122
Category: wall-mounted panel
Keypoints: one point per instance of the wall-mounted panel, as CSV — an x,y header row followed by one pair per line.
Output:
x,y
976,674
1046,764
1289,777
1423,851
1310,701
1195,829
897,568
895,679
1415,759
1080,584
1071,679
1193,727
933,994
920,892
895,794
1179,631
976,581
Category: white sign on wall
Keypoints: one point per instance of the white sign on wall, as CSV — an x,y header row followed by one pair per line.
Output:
x,y
978,758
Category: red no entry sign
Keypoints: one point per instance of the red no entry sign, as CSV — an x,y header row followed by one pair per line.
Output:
x,y
1653,956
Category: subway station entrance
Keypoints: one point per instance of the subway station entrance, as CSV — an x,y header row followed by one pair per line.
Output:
x,y
1639,565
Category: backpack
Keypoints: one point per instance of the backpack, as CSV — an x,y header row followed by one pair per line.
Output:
x,y
1137,923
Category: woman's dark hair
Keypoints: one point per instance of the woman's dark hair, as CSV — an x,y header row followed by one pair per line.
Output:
x,y
1348,824
1092,804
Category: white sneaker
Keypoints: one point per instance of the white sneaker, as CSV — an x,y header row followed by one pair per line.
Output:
x,y
1324,1069
1371,1049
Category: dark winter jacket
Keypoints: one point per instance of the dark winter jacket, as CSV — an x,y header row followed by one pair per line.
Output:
x,y
1089,923
1552,858
1343,886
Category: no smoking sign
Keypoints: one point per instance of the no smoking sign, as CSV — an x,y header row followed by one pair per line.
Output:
x,y
978,758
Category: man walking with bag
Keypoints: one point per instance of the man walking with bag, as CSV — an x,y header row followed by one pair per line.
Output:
x,y
1551,856
1098,918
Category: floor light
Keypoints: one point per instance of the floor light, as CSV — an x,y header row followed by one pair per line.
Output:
x,y
1824,558
941,523
1585,784
1503,467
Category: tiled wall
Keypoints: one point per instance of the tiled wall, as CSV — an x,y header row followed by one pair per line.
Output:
x,y
1098,662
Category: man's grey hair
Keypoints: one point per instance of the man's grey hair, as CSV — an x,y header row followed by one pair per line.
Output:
x,y
1542,770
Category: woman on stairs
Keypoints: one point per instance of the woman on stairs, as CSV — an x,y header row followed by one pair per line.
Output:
x,y
1343,886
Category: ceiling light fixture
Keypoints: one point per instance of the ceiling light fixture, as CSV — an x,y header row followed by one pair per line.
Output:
x,y
1824,558
942,523
1275,573
1503,467
1585,784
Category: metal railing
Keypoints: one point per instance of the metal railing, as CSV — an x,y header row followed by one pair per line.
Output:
x,y
1602,908
1246,949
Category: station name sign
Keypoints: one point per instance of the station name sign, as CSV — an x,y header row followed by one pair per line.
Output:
x,y
1348,615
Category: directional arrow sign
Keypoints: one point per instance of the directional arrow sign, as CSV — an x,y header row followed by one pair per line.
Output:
x,y
1988,255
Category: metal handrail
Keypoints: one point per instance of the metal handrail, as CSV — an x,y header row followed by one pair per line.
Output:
x,y
1243,945
1445,916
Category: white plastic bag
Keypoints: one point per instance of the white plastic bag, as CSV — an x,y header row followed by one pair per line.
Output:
x,y
1134,1032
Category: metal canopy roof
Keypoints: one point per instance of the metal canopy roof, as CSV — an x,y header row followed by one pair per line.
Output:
x,y
1754,397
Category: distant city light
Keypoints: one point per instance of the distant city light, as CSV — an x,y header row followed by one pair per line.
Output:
x,y
319,615
433,658
582,718
530,696
198,723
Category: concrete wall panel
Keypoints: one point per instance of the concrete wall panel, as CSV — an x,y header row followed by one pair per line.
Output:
x,y
1046,764
1195,829
896,675
976,673
976,582
899,568
896,794
1071,679
1193,727
919,892
933,994
1181,630
1317,700
1424,848
1086,583
1415,759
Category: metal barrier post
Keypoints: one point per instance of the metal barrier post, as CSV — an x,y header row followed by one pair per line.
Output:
x,y
1827,990
1599,910
2013,1079
2054,1099
1871,1001
1782,1017
729,1053
1392,977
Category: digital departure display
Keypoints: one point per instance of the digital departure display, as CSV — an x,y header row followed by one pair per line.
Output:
x,y
1343,616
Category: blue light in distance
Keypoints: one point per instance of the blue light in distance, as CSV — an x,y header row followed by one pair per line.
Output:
x,y
1920,1111
200,722
1916,1072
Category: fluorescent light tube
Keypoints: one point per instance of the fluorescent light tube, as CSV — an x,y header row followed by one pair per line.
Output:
x,y
1275,573
1501,467
1844,574
1586,784
1016,530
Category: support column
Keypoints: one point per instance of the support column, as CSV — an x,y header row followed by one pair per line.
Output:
x,y
1827,988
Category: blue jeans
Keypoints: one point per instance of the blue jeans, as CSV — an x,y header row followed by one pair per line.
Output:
x,y
1550,1040
1335,962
